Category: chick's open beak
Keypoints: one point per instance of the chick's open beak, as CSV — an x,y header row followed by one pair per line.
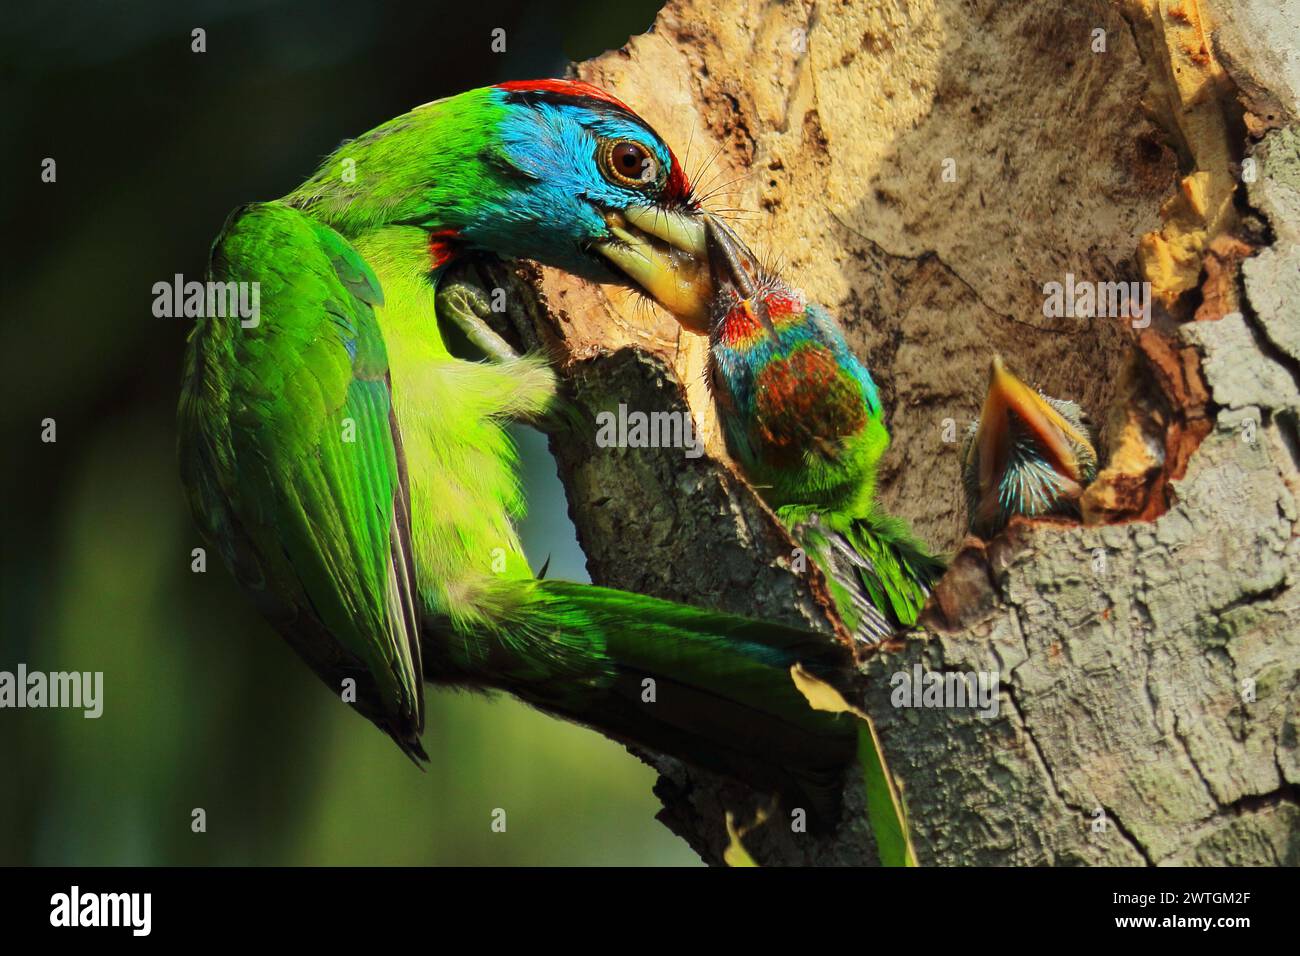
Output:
x,y
664,252
1008,396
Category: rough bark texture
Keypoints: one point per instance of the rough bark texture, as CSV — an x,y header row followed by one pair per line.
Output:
x,y
1147,658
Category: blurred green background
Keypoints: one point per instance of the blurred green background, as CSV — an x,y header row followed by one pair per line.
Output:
x,y
203,705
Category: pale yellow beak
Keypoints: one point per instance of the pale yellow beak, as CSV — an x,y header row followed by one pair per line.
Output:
x,y
665,253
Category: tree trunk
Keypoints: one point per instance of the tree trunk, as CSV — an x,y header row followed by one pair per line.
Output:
x,y
924,169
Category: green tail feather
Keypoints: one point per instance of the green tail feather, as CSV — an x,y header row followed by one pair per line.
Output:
x,y
905,571
722,697
879,572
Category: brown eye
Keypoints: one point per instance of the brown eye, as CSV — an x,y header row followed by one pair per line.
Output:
x,y
629,164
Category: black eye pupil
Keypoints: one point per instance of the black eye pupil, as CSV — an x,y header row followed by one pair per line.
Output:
x,y
629,159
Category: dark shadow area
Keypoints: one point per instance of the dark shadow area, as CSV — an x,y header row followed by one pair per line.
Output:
x,y
204,707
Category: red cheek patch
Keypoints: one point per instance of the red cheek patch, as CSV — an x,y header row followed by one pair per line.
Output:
x,y
442,248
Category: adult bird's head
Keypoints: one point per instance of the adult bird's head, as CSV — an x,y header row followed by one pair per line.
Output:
x,y
1028,454
553,170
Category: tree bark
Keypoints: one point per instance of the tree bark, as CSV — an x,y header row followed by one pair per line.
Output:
x,y
923,169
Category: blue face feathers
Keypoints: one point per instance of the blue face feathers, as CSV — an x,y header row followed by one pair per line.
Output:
x,y
550,155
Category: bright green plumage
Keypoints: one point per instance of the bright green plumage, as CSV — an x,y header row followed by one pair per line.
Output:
x,y
289,452
803,419
360,481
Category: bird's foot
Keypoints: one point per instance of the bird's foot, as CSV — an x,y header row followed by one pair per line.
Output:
x,y
466,306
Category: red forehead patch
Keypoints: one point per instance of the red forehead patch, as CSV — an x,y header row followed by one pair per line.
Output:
x,y
677,188
575,88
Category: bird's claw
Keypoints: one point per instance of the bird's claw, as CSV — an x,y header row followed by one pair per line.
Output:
x,y
466,306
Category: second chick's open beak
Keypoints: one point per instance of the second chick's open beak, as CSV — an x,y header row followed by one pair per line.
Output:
x,y
1009,398
664,253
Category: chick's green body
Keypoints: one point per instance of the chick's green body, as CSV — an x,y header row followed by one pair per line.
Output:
x,y
802,417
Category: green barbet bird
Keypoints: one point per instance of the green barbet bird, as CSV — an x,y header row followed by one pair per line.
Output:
x,y
359,480
1027,454
802,418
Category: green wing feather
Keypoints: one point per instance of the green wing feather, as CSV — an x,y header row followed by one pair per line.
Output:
x,y
291,422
